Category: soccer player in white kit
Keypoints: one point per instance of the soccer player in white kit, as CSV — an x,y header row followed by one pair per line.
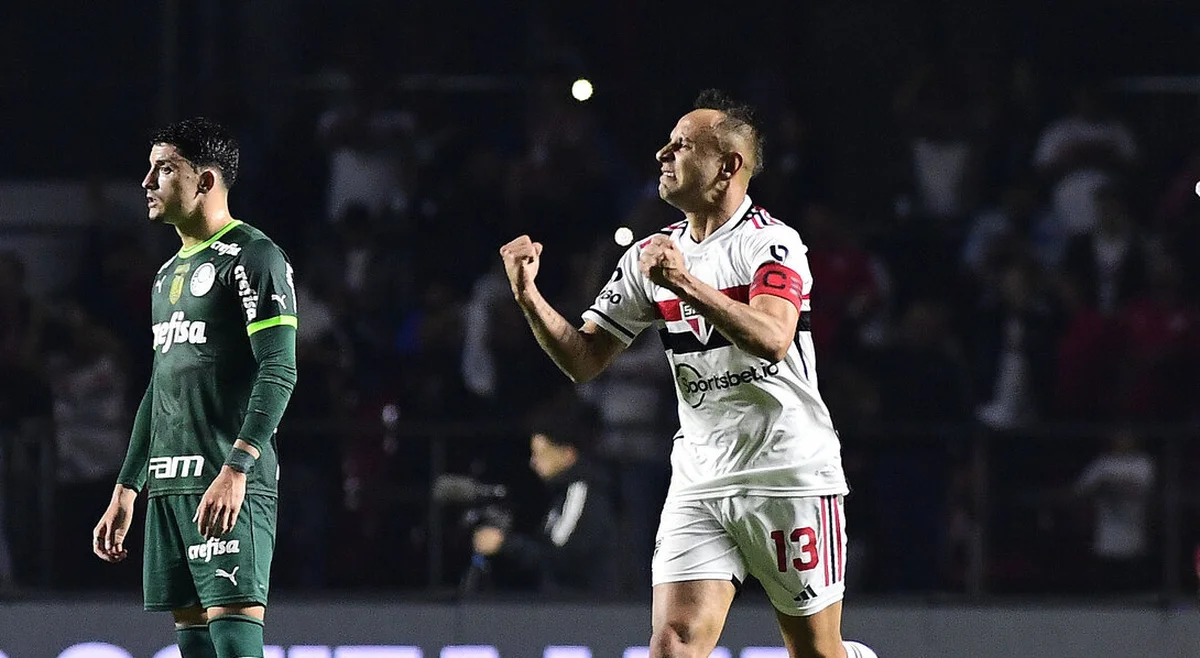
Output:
x,y
757,481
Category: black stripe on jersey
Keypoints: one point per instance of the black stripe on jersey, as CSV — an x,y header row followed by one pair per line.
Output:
x,y
685,342
613,322
671,228
803,325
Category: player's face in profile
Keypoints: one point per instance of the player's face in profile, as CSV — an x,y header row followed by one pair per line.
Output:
x,y
171,185
690,160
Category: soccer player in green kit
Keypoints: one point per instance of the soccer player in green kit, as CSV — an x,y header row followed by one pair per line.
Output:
x,y
203,440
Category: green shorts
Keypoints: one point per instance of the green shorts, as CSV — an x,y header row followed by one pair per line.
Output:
x,y
183,570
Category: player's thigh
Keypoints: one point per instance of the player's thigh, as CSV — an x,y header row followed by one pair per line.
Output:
x,y
234,570
795,547
166,579
695,570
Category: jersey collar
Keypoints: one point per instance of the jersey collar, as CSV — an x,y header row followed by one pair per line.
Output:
x,y
197,248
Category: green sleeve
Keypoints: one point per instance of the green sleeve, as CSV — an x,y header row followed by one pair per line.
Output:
x,y
275,351
137,457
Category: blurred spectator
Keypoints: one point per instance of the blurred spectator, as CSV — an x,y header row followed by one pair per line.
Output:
x,y
946,129
1160,333
21,322
368,279
1020,223
923,373
122,304
1119,486
25,410
88,377
635,397
578,551
1081,152
849,295
1177,206
1083,380
501,362
923,380
1014,337
311,440
1111,261
797,171
430,341
366,141
478,362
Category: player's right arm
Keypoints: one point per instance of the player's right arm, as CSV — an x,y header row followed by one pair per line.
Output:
x,y
621,311
108,537
581,353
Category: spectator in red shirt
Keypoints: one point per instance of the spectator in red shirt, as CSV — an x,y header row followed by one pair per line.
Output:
x,y
851,284
1161,333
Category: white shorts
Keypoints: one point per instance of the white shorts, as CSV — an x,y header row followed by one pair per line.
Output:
x,y
795,547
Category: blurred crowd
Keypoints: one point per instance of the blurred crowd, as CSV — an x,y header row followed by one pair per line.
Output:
x,y
1033,270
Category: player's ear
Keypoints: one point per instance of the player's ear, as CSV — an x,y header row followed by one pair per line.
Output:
x,y
208,180
731,164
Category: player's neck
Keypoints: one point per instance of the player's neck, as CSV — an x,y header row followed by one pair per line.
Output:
x,y
202,226
703,223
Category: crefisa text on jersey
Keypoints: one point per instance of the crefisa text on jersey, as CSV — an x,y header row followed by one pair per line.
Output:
x,y
178,330
246,293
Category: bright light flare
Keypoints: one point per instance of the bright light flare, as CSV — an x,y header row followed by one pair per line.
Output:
x,y
623,236
581,89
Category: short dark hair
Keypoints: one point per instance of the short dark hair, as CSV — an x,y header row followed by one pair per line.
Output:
x,y
570,425
204,143
739,117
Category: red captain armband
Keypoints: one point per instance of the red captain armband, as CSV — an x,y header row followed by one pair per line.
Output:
x,y
780,281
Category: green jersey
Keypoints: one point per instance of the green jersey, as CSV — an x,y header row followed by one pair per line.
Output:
x,y
206,303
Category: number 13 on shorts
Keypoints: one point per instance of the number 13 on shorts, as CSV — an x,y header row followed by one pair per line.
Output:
x,y
794,546
809,554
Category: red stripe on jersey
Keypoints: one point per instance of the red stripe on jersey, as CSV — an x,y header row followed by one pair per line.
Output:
x,y
778,280
671,309
760,218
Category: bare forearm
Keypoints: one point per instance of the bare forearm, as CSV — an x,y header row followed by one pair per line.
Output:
x,y
567,346
748,328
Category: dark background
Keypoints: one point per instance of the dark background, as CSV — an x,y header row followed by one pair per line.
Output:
x,y
943,503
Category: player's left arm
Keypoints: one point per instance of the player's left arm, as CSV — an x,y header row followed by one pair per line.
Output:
x,y
765,327
262,280
269,305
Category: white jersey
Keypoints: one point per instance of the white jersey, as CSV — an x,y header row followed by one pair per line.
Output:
x,y
747,426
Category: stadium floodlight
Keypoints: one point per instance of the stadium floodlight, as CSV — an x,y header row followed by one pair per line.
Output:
x,y
582,89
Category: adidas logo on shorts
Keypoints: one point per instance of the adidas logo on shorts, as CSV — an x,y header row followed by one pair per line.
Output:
x,y
807,595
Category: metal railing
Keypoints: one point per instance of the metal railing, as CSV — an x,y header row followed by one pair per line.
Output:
x,y
995,476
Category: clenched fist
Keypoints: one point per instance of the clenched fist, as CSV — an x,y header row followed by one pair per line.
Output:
x,y
662,262
521,258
